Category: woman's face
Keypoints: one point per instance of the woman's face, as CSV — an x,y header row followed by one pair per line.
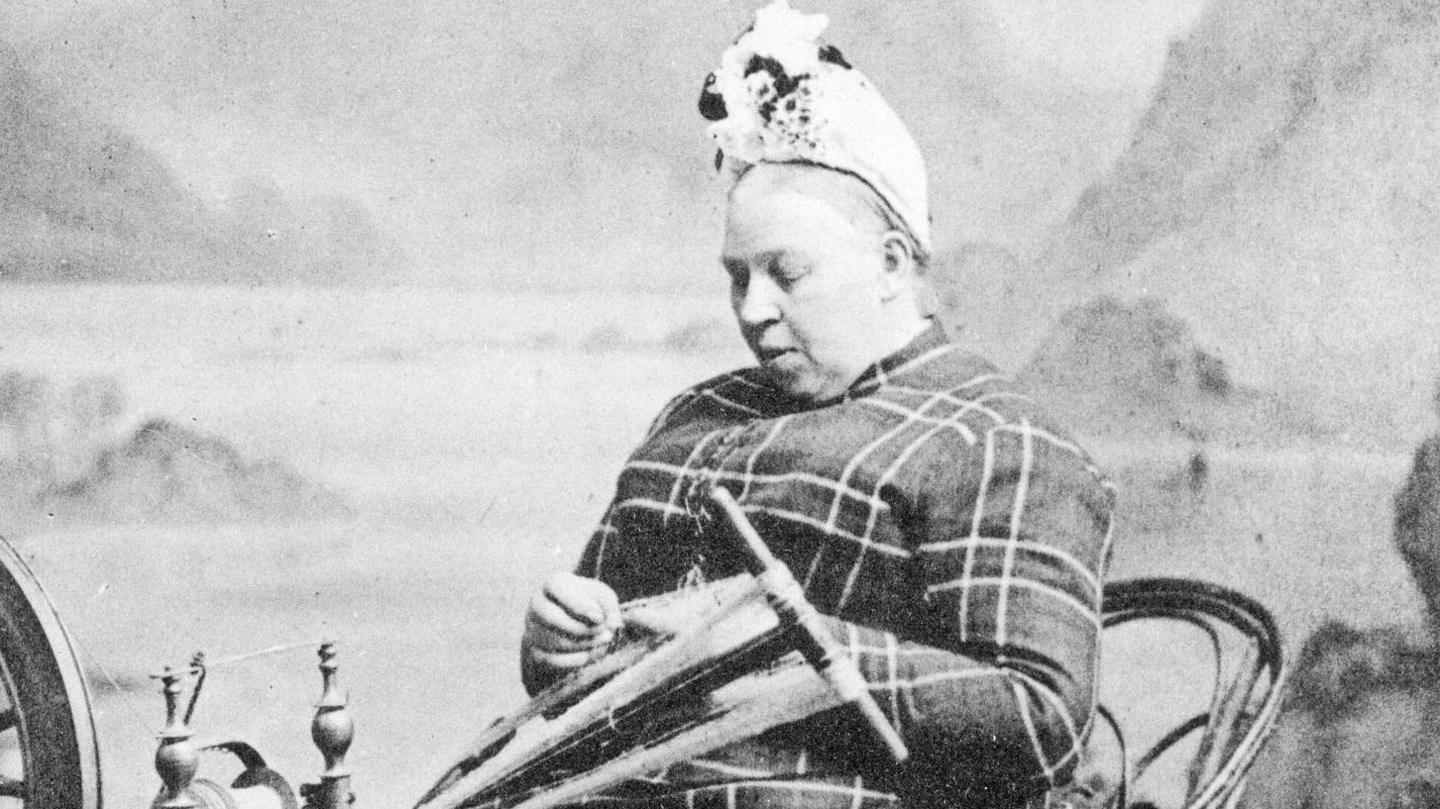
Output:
x,y
807,289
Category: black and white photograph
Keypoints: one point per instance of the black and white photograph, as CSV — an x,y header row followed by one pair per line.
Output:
x,y
730,404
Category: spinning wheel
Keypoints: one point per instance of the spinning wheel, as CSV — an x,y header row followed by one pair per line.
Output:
x,y
1248,687
48,754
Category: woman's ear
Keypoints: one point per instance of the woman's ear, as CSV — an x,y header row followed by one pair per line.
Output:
x,y
898,265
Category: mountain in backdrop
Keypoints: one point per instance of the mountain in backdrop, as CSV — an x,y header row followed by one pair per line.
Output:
x,y
82,200
1134,370
1282,196
1279,194
536,144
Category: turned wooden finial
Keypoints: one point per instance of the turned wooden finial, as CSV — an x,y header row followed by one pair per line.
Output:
x,y
176,760
332,730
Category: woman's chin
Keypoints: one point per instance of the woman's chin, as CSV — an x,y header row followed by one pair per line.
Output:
x,y
797,380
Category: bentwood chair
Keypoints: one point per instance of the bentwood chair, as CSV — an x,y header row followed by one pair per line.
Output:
x,y
1249,678
1246,694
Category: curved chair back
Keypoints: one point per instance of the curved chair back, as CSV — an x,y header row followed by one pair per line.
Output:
x,y
1248,689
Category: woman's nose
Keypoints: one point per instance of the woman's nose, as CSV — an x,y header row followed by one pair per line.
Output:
x,y
758,301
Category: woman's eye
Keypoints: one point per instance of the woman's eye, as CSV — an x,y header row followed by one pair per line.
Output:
x,y
788,270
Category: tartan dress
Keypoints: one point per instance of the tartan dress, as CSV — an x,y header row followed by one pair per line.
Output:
x,y
956,541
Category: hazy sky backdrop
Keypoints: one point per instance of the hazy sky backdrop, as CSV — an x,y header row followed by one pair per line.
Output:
x,y
1266,168
538,142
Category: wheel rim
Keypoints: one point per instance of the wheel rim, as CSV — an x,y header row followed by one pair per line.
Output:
x,y
47,710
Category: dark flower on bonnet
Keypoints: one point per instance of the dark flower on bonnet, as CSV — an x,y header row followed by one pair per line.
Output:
x,y
780,96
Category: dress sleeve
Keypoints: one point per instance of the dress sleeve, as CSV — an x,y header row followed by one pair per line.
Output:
x,y
1002,687
593,556
594,553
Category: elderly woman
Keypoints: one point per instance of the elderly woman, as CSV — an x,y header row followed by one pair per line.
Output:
x,y
953,537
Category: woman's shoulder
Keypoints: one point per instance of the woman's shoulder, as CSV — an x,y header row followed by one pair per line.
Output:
x,y
952,370
738,387
739,392
969,381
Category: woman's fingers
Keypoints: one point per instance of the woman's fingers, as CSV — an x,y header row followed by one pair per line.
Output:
x,y
572,615
568,624
563,644
543,638
560,662
604,600
555,619
588,601
541,635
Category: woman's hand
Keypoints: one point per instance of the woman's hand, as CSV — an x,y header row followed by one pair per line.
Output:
x,y
567,622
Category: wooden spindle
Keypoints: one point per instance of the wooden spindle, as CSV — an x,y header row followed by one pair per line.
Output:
x,y
176,759
332,731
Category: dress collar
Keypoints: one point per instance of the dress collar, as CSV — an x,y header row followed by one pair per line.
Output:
x,y
931,338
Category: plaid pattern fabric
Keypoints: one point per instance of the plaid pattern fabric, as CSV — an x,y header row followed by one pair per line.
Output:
x,y
814,792
957,540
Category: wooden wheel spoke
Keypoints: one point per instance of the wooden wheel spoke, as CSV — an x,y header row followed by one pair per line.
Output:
x,y
11,787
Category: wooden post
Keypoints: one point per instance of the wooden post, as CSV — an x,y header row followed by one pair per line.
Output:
x,y
176,760
332,730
